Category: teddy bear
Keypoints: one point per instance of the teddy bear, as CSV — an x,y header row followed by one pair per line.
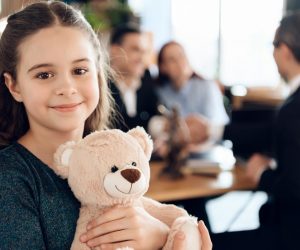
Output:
x,y
111,167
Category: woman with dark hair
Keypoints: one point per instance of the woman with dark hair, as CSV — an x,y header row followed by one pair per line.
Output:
x,y
199,101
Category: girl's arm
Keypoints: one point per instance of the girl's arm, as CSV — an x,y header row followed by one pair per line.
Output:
x,y
126,226
19,225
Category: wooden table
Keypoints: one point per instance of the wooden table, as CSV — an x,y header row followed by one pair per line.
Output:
x,y
193,186
261,95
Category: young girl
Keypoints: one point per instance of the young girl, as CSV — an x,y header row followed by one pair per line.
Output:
x,y
53,89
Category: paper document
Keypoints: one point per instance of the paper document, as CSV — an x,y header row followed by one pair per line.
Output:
x,y
213,161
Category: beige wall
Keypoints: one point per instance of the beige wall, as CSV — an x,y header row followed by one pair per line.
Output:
x,y
10,6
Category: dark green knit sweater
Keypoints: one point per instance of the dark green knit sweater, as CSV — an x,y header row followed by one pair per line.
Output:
x,y
37,208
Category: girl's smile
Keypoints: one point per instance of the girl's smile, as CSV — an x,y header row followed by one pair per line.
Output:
x,y
67,107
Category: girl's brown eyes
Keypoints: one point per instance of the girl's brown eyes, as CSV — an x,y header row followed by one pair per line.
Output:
x,y
44,75
47,75
80,71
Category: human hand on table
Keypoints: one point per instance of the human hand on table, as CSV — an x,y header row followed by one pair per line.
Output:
x,y
198,128
256,165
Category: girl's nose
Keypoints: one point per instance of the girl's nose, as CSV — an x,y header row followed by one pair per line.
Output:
x,y
66,91
66,87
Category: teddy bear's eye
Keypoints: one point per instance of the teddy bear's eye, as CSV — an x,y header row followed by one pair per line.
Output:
x,y
133,163
114,169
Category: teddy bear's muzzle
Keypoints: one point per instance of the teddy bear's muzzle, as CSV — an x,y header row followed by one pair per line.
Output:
x,y
131,175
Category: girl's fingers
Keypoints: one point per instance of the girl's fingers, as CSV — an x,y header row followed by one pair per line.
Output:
x,y
206,241
131,224
106,228
112,238
115,213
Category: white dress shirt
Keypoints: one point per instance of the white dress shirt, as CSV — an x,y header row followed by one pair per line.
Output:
x,y
129,97
294,84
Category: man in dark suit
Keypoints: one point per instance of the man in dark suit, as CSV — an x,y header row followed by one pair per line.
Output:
x,y
280,216
132,89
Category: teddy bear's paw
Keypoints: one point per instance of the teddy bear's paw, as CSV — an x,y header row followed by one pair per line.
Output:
x,y
189,226
184,221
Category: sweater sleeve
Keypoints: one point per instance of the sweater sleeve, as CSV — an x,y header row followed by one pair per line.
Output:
x,y
19,225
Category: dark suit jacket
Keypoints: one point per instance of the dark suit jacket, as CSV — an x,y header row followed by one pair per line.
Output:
x,y
147,103
282,211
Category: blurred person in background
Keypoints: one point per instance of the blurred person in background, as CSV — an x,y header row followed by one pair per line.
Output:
x,y
132,88
278,175
199,101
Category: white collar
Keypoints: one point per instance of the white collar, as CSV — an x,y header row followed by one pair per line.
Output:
x,y
123,87
129,96
294,84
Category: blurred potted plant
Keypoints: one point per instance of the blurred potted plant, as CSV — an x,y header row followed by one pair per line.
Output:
x,y
106,15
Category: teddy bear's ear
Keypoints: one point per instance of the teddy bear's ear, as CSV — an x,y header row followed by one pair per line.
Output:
x,y
62,158
143,139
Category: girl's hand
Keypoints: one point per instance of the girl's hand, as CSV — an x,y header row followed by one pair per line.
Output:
x,y
206,241
126,226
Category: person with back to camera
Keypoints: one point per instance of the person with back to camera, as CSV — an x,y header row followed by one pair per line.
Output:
x,y
199,101
53,89
132,90
279,216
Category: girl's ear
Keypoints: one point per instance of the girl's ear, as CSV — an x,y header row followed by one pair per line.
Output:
x,y
13,88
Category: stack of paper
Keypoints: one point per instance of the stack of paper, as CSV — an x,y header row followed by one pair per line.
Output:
x,y
213,161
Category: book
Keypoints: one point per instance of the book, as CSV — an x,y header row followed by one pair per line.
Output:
x,y
211,162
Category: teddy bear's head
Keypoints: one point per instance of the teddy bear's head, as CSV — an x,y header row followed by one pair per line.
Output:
x,y
106,167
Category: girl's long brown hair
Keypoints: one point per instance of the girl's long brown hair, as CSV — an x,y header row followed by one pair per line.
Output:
x,y
37,16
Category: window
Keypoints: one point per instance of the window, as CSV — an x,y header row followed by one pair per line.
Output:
x,y
195,25
3,23
247,31
230,40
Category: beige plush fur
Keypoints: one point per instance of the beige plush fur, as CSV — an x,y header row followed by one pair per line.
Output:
x,y
112,167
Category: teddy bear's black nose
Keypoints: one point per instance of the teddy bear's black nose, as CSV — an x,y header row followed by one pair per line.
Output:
x,y
131,175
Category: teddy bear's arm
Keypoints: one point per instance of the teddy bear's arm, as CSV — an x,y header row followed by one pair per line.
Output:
x,y
177,219
164,212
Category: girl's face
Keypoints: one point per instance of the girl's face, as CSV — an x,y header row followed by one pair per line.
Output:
x,y
57,79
